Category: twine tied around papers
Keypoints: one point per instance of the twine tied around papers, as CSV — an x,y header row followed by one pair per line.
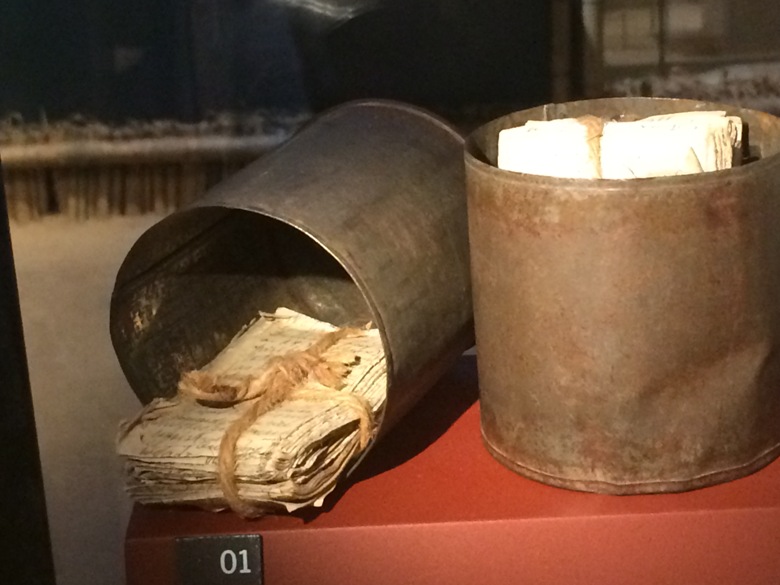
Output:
x,y
281,380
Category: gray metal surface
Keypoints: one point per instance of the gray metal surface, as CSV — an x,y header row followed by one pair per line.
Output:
x,y
361,216
627,331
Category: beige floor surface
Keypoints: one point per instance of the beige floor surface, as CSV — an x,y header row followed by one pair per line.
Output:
x,y
66,271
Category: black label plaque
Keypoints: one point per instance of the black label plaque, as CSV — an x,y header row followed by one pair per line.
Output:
x,y
220,560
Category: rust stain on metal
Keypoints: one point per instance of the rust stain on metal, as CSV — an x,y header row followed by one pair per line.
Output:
x,y
627,330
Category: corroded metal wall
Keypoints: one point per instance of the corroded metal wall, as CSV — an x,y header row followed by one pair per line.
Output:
x,y
628,331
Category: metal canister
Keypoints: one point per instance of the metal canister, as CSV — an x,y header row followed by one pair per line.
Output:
x,y
359,217
627,331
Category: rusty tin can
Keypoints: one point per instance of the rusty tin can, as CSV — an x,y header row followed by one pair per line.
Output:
x,y
360,217
627,331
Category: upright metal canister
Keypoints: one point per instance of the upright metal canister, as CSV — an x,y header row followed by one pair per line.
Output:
x,y
627,331
359,217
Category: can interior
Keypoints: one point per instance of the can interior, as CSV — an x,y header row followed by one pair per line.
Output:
x,y
195,279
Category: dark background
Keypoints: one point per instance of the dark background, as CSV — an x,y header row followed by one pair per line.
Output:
x,y
186,58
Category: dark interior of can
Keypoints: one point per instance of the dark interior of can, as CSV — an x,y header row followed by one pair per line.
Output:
x,y
761,130
194,280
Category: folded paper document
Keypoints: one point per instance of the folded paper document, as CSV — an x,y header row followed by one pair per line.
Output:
x,y
589,148
270,423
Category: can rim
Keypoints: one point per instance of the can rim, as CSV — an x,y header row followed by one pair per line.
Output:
x,y
477,160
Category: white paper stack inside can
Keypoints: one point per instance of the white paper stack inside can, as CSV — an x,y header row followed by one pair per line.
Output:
x,y
591,148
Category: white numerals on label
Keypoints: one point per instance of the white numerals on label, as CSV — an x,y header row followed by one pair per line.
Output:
x,y
230,562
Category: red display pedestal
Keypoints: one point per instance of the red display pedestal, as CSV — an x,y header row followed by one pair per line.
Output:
x,y
429,505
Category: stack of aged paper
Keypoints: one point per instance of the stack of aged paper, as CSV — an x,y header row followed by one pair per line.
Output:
x,y
590,148
291,456
567,148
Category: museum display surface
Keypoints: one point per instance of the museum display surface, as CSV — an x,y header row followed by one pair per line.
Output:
x,y
430,505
